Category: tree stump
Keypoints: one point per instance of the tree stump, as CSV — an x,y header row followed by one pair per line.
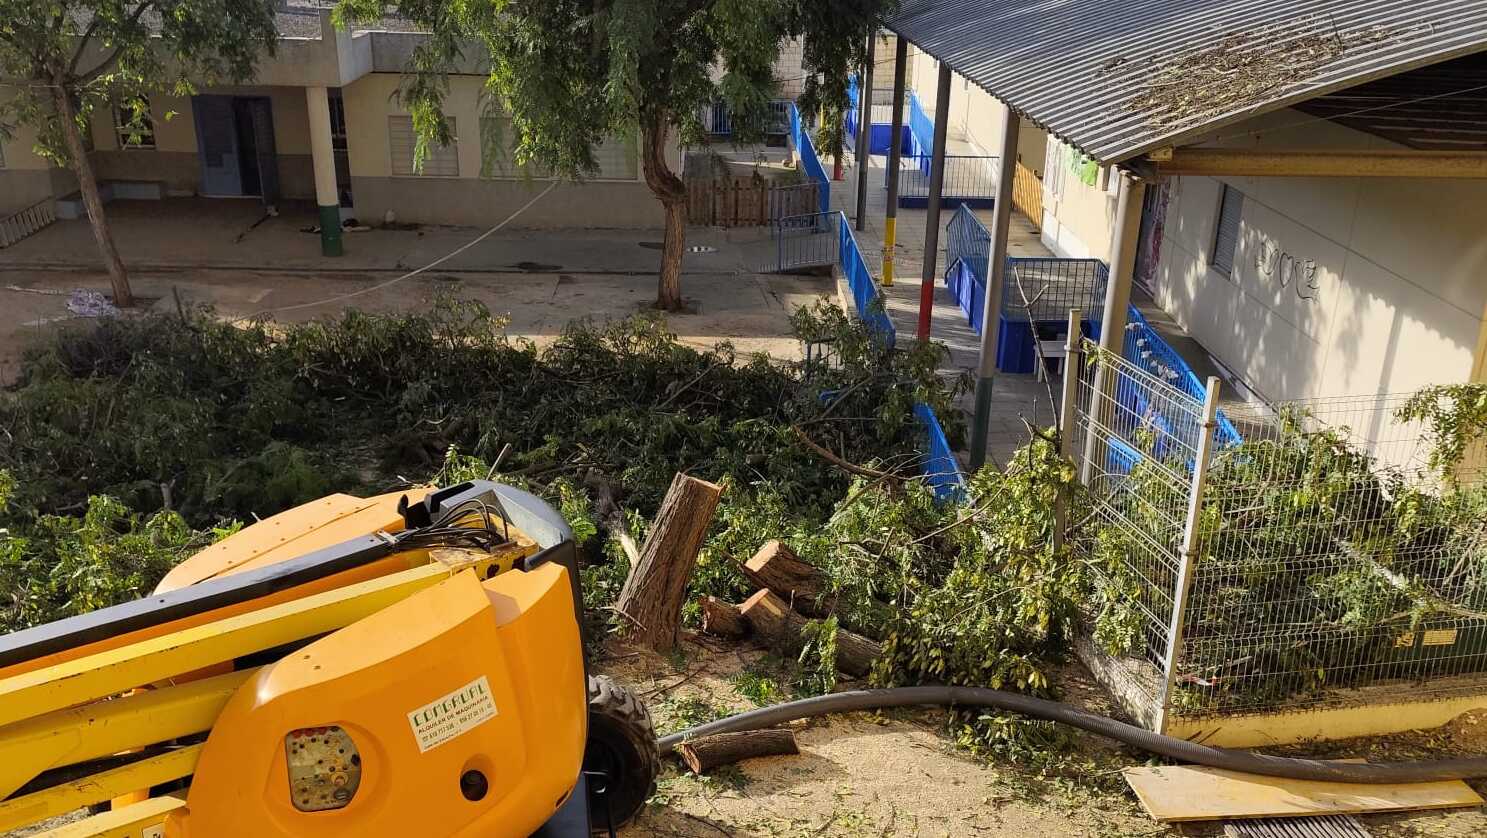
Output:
x,y
773,619
722,619
650,603
708,752
799,583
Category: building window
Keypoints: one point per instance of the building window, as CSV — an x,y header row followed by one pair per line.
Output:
x,y
498,142
133,124
337,120
441,161
1226,231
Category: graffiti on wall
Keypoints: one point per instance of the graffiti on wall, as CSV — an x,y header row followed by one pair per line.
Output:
x,y
1288,270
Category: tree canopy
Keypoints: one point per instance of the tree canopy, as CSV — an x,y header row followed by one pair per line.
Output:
x,y
60,60
572,73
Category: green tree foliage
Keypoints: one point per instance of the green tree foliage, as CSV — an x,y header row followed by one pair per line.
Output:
x,y
572,73
208,421
62,60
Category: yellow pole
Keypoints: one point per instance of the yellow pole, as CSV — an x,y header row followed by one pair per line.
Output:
x,y
890,231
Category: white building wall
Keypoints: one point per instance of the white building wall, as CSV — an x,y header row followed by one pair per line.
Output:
x,y
1340,285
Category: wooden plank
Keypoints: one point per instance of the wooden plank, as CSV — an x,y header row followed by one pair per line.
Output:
x,y
1196,793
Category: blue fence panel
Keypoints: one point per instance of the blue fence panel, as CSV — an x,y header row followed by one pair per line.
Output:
x,y
921,131
1145,348
800,135
941,467
865,294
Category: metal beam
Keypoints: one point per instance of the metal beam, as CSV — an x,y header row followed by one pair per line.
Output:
x,y
96,788
895,157
1218,162
863,149
991,311
932,216
118,670
89,731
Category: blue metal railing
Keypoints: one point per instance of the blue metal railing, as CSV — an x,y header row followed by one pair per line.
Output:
x,y
921,129
810,163
866,295
1145,348
941,467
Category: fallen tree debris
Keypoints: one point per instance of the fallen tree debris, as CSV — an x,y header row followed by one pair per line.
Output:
x,y
650,604
708,752
776,567
774,620
722,619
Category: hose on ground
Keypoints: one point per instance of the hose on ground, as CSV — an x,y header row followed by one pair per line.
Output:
x,y
1038,708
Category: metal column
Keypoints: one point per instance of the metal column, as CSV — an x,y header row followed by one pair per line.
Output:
x,y
932,217
1190,548
1068,415
991,311
895,157
863,150
1117,300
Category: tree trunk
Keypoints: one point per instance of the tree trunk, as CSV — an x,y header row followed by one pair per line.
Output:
x,y
800,584
672,193
708,752
87,185
722,619
779,624
650,604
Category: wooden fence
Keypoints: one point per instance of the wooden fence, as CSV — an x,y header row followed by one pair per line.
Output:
x,y
747,201
1027,194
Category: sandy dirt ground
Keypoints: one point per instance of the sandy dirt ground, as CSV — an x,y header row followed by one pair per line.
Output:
x,y
750,310
902,774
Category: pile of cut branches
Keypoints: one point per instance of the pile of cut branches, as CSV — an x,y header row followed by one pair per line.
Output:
x,y
204,422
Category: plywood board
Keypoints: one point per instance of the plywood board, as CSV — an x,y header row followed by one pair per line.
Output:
x,y
1198,793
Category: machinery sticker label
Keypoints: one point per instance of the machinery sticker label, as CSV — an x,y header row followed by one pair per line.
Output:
x,y
445,718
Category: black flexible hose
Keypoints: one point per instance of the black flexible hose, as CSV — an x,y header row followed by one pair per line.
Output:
x,y
1179,749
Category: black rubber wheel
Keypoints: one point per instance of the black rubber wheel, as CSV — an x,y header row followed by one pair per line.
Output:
x,y
622,748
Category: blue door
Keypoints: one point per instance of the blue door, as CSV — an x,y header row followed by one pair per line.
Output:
x,y
217,144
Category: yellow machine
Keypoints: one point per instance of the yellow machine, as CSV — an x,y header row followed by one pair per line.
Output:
x,y
409,664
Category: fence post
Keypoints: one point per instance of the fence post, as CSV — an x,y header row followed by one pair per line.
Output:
x,y
1190,548
1073,370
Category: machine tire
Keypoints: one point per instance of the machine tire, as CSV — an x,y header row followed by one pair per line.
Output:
x,y
621,744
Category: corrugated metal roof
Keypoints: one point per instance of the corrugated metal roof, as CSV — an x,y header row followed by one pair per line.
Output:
x,y
1118,78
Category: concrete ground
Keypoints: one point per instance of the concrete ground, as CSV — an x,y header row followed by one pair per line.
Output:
x,y
225,254
1015,398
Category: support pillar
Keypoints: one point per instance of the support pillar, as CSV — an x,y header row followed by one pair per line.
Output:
x,y
996,280
1117,299
932,216
322,153
863,151
895,157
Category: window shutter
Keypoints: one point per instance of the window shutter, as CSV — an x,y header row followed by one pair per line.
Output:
x,y
1226,232
442,161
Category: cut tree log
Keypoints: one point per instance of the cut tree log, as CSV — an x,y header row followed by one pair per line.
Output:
x,y
798,583
650,603
708,752
773,619
722,619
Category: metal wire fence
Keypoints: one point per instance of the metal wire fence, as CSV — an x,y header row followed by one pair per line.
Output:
x,y
1043,290
804,241
1324,560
